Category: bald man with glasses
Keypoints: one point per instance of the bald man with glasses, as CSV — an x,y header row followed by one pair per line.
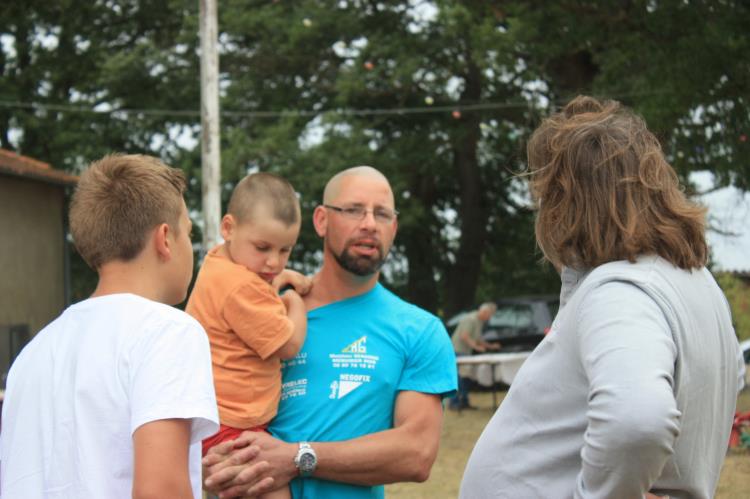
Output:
x,y
361,404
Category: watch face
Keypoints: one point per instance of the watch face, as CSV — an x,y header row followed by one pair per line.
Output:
x,y
306,461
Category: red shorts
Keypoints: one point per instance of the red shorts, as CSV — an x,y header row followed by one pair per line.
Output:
x,y
227,433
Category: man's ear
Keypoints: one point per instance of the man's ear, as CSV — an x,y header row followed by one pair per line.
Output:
x,y
161,241
320,220
228,223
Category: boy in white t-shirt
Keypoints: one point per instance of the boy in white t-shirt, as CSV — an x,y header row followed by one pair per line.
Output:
x,y
113,398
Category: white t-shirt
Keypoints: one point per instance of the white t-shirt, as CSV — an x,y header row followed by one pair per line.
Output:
x,y
86,382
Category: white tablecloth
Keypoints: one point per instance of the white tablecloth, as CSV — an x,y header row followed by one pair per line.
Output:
x,y
481,367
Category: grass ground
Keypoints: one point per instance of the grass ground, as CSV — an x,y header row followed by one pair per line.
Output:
x,y
460,431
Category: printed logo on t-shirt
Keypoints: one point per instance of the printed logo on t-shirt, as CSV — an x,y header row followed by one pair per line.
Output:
x,y
294,388
359,346
298,360
346,384
354,355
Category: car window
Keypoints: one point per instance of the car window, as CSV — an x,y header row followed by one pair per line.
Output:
x,y
512,317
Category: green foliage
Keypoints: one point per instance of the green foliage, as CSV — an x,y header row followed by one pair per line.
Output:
x,y
292,72
62,61
737,291
683,65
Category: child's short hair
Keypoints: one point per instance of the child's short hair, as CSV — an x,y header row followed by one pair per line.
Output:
x,y
273,191
119,199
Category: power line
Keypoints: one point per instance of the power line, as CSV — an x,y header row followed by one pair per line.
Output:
x,y
286,113
66,108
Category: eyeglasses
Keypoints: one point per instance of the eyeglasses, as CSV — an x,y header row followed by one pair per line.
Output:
x,y
381,215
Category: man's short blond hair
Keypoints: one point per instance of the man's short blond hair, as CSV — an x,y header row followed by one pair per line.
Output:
x,y
118,200
269,190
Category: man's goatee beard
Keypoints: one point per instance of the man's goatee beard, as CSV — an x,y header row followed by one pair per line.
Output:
x,y
362,267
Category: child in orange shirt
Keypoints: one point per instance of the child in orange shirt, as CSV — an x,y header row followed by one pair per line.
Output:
x,y
235,298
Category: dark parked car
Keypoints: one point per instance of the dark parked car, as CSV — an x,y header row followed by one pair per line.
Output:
x,y
745,347
519,324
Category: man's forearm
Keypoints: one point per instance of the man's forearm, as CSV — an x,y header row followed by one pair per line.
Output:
x,y
405,453
380,458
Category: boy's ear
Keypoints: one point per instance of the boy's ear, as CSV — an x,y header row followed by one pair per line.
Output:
x,y
228,223
320,220
161,242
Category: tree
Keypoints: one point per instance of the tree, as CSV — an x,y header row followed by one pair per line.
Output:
x,y
75,76
439,95
383,56
682,64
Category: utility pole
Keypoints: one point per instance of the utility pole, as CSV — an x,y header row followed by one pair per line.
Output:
x,y
210,149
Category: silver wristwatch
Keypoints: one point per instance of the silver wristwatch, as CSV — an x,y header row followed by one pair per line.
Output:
x,y
306,460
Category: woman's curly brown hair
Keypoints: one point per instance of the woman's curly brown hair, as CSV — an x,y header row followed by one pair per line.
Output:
x,y
605,192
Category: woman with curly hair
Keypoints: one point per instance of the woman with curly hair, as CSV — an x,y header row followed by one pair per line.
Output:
x,y
633,390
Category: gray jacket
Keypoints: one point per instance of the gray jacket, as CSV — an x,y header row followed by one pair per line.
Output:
x,y
634,389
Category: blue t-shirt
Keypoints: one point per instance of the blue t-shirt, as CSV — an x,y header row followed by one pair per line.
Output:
x,y
359,353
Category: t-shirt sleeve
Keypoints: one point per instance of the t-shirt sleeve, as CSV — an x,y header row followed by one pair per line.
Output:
x,y
258,316
170,377
431,362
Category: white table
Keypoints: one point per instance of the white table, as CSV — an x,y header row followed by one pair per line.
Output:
x,y
493,367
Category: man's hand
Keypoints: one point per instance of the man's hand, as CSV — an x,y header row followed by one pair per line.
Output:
x,y
251,465
233,469
301,283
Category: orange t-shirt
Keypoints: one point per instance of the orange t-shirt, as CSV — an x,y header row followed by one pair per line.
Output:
x,y
246,323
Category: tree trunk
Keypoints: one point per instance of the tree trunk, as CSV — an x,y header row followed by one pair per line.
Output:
x,y
421,288
463,276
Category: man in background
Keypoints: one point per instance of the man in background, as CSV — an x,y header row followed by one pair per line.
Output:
x,y
467,338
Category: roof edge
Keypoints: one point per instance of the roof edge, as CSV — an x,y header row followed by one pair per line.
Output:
x,y
18,165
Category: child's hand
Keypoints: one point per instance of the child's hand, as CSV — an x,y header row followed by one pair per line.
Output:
x,y
301,283
291,299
